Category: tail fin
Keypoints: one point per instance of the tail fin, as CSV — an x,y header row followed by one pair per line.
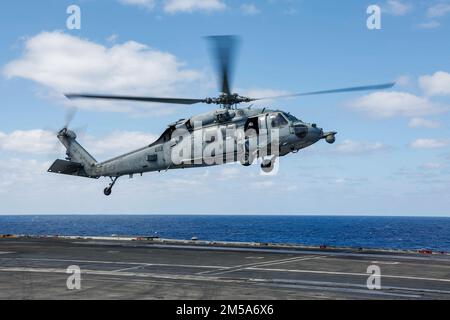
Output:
x,y
79,161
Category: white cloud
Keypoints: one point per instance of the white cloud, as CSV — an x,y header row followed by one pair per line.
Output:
x,y
250,9
112,38
32,141
18,172
173,6
147,4
230,172
397,7
64,63
391,104
429,143
118,142
40,142
423,123
432,166
355,147
437,84
438,10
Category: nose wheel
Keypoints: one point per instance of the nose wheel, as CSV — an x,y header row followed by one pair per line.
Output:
x,y
267,166
108,190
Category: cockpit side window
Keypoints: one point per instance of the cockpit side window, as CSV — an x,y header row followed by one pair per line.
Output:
x,y
277,120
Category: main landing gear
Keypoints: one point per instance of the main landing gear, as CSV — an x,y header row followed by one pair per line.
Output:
x,y
246,159
108,190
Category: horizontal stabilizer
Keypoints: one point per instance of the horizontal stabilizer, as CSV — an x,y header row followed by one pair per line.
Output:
x,y
69,168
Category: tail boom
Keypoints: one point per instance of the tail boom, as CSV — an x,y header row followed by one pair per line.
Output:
x,y
78,162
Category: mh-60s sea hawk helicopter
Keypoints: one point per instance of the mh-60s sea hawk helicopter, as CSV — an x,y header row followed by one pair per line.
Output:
x,y
249,133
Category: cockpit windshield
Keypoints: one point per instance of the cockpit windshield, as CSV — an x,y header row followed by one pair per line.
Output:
x,y
277,120
291,117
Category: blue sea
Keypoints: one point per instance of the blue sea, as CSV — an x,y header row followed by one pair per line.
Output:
x,y
366,232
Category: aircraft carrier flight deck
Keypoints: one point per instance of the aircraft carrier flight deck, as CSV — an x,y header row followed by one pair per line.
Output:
x,y
135,268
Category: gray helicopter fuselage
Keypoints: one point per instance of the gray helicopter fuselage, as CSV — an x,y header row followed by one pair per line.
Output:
x,y
293,136
213,138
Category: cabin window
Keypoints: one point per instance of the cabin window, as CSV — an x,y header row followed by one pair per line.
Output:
x,y
278,121
252,124
189,125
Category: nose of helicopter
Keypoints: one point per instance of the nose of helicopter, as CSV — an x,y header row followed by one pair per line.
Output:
x,y
315,133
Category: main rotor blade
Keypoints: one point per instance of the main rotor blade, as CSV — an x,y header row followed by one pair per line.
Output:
x,y
224,50
351,89
140,99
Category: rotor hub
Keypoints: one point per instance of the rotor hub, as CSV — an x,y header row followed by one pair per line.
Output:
x,y
67,133
228,100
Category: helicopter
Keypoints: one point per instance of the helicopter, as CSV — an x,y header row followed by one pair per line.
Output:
x,y
227,134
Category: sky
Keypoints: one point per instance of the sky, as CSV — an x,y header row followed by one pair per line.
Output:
x,y
392,151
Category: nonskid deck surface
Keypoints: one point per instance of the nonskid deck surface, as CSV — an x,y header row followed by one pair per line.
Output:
x,y
35,268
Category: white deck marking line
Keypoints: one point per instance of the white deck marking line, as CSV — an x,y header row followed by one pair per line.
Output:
x,y
386,262
122,263
417,264
294,260
351,290
346,284
253,264
297,252
298,286
123,274
3,252
192,278
348,274
126,269
268,263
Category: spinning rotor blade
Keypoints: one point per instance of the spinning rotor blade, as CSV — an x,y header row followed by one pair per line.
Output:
x,y
57,148
224,49
70,115
351,89
140,99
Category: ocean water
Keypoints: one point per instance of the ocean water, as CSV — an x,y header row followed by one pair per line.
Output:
x,y
366,232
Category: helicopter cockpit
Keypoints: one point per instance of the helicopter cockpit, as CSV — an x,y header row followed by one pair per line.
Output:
x,y
277,120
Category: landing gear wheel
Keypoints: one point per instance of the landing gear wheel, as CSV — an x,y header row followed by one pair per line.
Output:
x,y
246,160
107,192
268,166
